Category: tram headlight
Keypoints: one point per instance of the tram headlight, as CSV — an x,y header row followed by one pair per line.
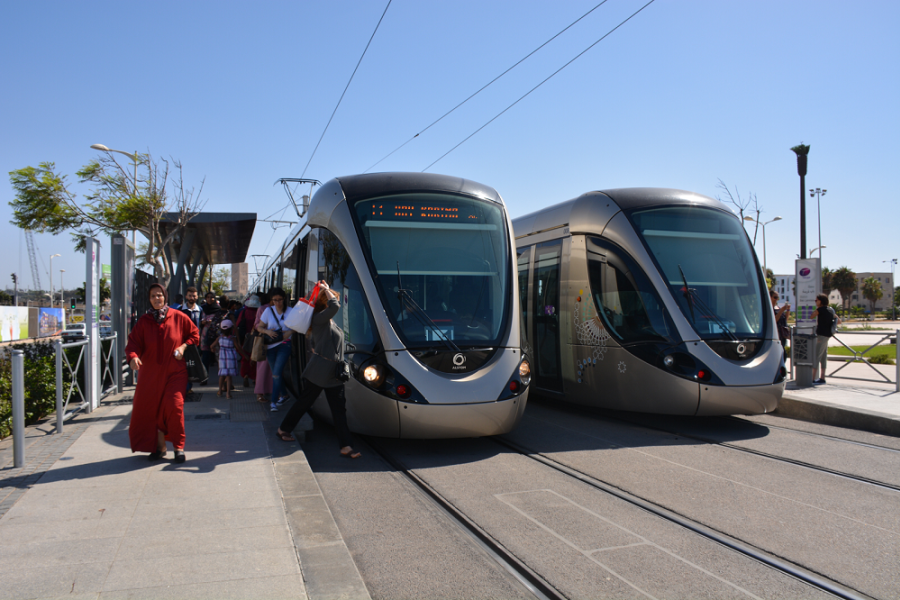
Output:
x,y
374,375
525,371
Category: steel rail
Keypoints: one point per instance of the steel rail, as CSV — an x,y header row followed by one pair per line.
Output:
x,y
533,582
786,567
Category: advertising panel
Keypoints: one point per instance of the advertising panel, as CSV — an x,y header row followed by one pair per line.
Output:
x,y
13,323
809,284
51,321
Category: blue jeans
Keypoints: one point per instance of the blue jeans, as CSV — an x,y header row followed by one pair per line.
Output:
x,y
277,358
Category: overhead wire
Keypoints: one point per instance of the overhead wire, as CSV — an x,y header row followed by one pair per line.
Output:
x,y
488,84
346,88
579,55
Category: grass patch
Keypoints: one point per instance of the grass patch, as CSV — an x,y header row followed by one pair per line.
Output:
x,y
876,354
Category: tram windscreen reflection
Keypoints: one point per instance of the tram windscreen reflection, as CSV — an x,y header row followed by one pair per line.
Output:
x,y
450,254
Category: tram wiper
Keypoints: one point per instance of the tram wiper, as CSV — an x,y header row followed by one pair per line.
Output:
x,y
692,296
688,295
407,302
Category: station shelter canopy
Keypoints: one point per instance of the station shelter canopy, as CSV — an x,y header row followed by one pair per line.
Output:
x,y
208,239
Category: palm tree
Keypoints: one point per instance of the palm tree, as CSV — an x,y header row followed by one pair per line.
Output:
x,y
844,280
827,285
872,291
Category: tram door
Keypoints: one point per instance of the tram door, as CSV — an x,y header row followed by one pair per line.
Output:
x,y
545,316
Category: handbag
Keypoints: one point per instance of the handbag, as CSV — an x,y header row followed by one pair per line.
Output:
x,y
258,354
249,340
342,371
301,315
196,371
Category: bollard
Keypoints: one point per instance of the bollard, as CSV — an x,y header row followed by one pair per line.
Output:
x,y
18,407
59,387
803,349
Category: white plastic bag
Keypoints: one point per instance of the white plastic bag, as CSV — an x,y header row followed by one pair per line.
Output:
x,y
300,317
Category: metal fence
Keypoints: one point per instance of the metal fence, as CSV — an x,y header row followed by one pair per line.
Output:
x,y
802,349
110,377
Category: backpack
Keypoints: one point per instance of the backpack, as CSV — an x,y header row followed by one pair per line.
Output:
x,y
834,321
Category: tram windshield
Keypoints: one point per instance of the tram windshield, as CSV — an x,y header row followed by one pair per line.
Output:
x,y
441,266
709,265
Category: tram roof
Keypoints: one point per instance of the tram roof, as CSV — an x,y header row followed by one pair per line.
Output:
x,y
583,212
218,238
382,184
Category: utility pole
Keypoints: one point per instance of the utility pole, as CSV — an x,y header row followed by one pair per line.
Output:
x,y
802,151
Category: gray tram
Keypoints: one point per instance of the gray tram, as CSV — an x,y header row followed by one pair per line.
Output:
x,y
647,300
429,306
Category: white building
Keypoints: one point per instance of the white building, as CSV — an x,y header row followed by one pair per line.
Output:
x,y
887,289
784,285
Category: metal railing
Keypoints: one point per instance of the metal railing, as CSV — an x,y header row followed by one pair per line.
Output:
x,y
62,360
111,376
860,357
856,356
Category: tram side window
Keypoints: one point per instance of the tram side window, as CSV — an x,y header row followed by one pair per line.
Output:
x,y
523,263
626,301
335,267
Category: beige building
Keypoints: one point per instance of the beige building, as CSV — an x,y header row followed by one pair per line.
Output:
x,y
240,282
887,288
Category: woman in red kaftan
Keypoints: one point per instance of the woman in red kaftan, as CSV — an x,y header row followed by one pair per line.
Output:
x,y
156,350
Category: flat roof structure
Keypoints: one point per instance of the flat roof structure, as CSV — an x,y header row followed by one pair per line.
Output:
x,y
208,239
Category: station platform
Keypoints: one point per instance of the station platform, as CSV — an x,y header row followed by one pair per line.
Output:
x,y
244,517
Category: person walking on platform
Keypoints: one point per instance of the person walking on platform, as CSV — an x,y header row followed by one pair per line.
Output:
x,y
278,342
156,351
328,351
228,358
263,382
245,324
781,318
194,313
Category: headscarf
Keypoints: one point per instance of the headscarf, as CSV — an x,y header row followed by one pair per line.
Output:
x,y
158,314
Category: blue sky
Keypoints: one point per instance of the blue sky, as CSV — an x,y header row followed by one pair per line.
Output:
x,y
684,94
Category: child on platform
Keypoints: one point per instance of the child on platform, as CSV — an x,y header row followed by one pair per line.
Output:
x,y
228,358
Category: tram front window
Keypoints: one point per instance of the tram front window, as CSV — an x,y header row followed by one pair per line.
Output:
x,y
709,266
440,263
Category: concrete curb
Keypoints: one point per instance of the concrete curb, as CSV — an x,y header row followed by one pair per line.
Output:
x,y
795,407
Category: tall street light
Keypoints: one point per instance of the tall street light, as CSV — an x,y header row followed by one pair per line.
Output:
x,y
765,266
51,278
133,157
61,288
819,250
893,262
817,193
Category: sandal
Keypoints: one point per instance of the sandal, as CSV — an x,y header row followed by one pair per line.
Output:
x,y
261,398
351,454
284,437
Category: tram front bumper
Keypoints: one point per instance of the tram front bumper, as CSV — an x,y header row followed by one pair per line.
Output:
x,y
419,421
739,400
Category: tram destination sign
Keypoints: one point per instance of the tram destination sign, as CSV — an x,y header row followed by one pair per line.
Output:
x,y
429,210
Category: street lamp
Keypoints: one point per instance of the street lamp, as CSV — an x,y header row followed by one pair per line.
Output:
x,y
61,288
819,249
51,278
893,262
765,266
817,193
133,157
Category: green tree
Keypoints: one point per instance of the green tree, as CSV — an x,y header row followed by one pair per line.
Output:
x,y
844,281
5,299
105,292
827,285
770,278
221,280
118,202
872,291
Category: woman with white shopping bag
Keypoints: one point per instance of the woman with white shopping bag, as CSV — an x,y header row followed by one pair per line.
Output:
x,y
277,336
321,372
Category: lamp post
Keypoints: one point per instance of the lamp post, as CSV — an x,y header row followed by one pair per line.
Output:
x,y
51,278
133,157
893,262
817,193
765,266
61,288
819,249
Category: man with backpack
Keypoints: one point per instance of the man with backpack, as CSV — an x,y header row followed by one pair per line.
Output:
x,y
826,326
